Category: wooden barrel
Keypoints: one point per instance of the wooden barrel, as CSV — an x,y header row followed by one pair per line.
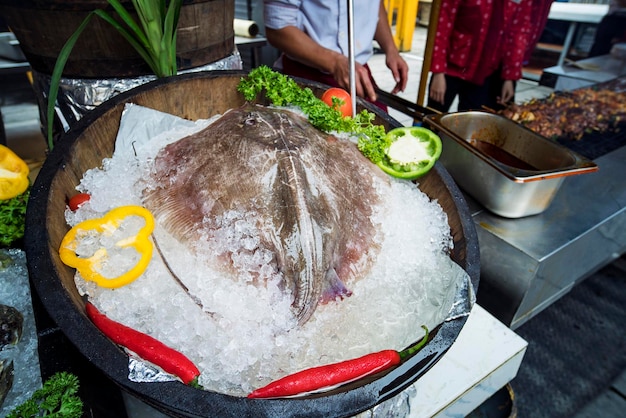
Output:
x,y
200,95
205,35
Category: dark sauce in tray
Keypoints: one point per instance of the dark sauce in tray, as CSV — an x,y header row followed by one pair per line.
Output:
x,y
501,155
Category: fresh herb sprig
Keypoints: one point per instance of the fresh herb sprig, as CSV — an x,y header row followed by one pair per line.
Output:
x,y
56,398
13,218
281,90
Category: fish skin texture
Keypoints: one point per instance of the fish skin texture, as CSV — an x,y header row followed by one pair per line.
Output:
x,y
312,194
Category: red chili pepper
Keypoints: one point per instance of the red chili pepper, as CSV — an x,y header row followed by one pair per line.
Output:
x,y
78,200
330,375
145,346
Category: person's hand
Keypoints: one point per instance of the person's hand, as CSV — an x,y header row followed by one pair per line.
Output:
x,y
298,45
400,71
438,87
508,91
363,85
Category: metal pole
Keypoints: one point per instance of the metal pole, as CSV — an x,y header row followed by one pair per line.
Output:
x,y
351,55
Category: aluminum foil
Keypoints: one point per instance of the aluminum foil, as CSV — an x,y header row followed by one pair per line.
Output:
x,y
141,371
77,96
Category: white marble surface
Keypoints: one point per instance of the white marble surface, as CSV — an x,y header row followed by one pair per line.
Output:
x,y
578,12
484,358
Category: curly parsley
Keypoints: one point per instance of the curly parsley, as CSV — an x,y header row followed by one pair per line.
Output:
x,y
13,218
56,398
281,90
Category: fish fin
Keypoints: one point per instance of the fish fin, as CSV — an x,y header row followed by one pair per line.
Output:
x,y
335,288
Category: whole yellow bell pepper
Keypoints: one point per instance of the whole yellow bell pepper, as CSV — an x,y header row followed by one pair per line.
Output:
x,y
87,267
13,174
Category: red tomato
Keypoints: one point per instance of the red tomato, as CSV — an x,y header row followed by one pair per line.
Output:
x,y
341,94
77,200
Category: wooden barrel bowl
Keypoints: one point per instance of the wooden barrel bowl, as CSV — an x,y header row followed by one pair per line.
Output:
x,y
194,96
205,35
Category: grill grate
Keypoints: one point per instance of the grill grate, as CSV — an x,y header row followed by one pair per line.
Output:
x,y
596,144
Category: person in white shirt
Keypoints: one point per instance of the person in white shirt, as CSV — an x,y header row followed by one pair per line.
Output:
x,y
313,38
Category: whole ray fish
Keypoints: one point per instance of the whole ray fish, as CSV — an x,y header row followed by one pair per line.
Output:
x,y
313,196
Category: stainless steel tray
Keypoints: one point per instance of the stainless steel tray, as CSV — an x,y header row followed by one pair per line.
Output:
x,y
506,190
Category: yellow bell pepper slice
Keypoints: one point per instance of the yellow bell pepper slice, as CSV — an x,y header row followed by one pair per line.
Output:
x,y
13,174
89,267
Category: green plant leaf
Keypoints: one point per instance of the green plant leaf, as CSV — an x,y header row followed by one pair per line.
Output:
x,y
150,18
174,9
155,43
169,33
58,71
173,55
139,47
129,21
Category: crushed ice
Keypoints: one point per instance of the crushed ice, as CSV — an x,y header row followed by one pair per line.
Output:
x,y
240,335
15,291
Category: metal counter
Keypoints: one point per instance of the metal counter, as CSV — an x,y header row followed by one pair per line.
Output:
x,y
528,263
